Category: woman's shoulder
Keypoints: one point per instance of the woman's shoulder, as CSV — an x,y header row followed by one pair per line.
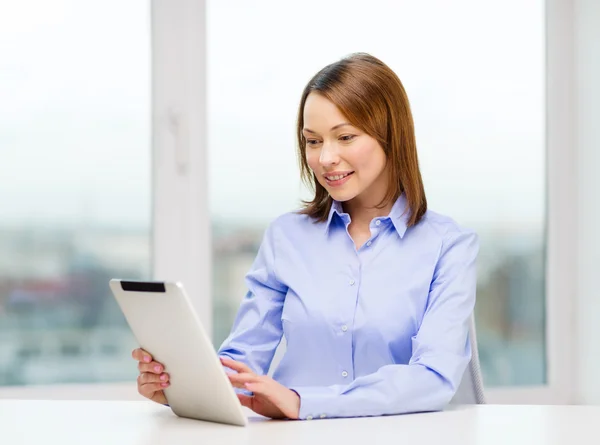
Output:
x,y
448,235
443,226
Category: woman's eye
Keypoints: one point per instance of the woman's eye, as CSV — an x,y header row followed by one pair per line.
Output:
x,y
347,138
312,141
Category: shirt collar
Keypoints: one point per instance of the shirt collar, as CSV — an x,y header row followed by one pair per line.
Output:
x,y
398,215
336,208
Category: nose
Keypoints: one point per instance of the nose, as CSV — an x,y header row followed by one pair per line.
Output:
x,y
329,155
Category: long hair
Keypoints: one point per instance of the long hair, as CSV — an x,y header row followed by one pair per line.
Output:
x,y
372,98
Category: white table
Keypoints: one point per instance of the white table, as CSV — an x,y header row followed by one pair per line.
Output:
x,y
115,423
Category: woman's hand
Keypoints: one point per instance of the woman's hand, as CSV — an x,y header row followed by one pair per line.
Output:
x,y
152,380
271,399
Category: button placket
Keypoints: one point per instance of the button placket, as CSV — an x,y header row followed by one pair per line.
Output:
x,y
347,315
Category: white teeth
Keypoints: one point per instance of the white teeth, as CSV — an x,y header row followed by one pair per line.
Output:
x,y
337,177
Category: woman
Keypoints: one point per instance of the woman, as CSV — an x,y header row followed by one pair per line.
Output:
x,y
372,291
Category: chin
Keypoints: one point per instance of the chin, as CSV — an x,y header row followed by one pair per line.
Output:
x,y
341,195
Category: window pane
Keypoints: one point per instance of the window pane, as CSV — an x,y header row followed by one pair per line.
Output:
x,y
74,185
474,72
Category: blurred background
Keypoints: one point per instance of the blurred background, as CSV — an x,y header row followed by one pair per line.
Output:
x,y
76,172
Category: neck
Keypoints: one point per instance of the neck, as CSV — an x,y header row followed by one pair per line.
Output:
x,y
362,211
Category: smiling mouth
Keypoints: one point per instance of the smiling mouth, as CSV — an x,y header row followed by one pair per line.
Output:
x,y
337,177
338,180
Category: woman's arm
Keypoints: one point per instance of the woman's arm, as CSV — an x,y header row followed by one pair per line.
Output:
x,y
257,329
441,350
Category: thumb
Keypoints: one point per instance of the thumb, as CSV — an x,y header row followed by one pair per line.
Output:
x,y
245,400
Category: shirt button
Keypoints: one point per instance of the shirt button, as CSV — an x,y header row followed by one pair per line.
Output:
x,y
344,374
309,417
352,282
378,222
368,243
323,416
344,328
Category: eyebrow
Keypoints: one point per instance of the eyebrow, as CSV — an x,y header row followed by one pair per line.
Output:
x,y
308,130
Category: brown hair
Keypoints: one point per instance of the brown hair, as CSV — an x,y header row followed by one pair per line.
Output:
x,y
372,98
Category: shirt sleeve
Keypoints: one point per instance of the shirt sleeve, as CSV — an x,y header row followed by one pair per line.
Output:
x,y
441,350
257,329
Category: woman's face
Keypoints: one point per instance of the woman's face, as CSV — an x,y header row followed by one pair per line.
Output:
x,y
347,162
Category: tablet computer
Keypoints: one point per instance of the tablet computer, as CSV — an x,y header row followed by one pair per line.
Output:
x,y
165,324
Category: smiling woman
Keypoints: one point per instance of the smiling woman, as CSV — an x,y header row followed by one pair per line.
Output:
x,y
372,291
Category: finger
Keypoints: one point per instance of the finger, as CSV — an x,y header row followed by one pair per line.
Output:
x,y
148,377
245,400
236,366
159,397
141,356
238,384
152,367
148,389
239,380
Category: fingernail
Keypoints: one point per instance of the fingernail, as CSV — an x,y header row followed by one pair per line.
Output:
x,y
164,385
146,359
163,377
157,368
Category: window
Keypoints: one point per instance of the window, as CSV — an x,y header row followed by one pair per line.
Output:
x,y
74,186
477,93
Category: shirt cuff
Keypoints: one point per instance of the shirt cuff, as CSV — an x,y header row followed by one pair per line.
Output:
x,y
316,402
